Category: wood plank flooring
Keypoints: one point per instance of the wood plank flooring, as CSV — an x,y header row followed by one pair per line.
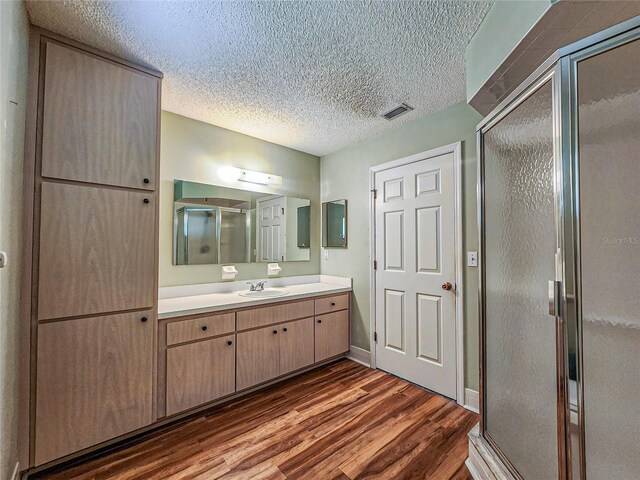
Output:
x,y
342,421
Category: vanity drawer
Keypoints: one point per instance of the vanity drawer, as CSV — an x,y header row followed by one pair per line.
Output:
x,y
259,317
200,327
332,304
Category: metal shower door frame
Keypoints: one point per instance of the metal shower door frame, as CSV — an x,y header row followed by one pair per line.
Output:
x,y
561,69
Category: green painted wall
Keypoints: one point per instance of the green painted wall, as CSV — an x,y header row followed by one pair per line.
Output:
x,y
345,174
197,151
14,47
501,30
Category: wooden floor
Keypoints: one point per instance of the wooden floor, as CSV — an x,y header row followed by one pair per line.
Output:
x,y
342,421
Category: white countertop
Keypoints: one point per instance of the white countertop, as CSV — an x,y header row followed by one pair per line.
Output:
x,y
180,301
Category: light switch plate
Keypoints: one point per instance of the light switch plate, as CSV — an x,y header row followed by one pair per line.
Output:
x,y
326,254
3,259
472,259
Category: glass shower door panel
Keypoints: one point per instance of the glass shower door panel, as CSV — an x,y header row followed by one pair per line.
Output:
x,y
202,240
233,237
520,244
609,164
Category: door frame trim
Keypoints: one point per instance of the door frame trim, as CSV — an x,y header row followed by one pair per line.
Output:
x,y
456,150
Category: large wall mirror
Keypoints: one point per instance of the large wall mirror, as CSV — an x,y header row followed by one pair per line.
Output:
x,y
334,224
214,224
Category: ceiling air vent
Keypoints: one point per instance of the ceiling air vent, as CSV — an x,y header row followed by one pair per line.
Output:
x,y
397,111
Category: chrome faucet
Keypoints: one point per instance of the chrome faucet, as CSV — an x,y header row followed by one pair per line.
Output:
x,y
258,287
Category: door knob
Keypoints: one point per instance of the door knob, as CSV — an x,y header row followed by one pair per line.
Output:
x,y
447,286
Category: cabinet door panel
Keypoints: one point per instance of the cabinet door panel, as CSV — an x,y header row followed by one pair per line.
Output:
x,y
258,357
99,120
96,251
94,381
332,335
296,345
200,372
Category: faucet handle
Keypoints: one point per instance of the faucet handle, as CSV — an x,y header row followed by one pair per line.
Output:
x,y
252,287
260,285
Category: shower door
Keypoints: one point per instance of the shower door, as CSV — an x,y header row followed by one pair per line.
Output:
x,y
519,254
606,137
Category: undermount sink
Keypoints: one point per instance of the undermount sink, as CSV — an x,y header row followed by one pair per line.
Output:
x,y
266,293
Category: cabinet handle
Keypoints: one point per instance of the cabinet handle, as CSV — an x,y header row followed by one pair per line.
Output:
x,y
204,328
146,200
284,329
144,319
145,180
275,332
319,321
333,304
229,342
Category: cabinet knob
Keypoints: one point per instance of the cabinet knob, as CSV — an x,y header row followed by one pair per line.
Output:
x,y
145,180
204,328
319,321
146,200
333,304
284,329
229,342
275,332
144,319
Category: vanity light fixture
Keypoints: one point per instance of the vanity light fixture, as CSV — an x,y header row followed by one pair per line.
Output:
x,y
259,177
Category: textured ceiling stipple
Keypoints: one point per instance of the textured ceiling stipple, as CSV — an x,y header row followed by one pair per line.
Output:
x,y
310,75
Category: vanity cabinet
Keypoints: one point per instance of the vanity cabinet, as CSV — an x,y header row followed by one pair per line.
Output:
x,y
269,352
94,381
200,372
271,341
258,356
296,345
100,120
332,335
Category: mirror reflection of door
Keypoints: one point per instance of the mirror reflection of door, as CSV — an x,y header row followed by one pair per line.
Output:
x,y
271,214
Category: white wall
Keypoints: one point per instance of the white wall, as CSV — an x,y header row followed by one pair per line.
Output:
x,y
345,174
14,39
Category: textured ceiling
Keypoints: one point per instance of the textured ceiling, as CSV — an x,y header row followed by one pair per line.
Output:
x,y
313,76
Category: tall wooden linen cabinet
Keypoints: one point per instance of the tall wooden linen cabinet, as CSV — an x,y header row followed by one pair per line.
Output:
x,y
90,275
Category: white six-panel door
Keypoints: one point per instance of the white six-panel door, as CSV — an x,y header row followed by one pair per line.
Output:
x,y
415,255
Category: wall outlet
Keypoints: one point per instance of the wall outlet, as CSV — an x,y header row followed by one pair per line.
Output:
x,y
472,259
326,254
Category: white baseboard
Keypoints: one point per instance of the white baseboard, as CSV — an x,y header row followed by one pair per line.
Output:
x,y
16,472
471,400
359,355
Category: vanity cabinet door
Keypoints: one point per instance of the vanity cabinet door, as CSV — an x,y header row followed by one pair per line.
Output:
x,y
258,356
94,381
100,120
296,345
96,250
332,335
200,372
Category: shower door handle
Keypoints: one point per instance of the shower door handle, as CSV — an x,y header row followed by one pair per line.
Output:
x,y
554,298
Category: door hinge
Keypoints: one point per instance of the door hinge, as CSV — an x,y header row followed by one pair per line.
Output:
x,y
375,193
375,264
283,211
375,337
